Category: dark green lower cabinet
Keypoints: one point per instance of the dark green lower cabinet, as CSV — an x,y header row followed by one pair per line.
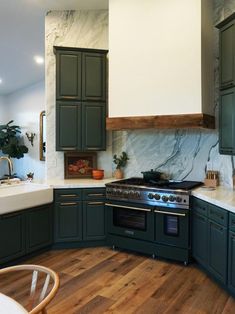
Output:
x,y
231,262
68,221
93,221
200,239
39,231
217,258
12,236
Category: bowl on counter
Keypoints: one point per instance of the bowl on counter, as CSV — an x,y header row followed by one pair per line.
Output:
x,y
97,174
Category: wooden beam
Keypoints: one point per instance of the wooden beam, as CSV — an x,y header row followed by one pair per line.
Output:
x,y
178,121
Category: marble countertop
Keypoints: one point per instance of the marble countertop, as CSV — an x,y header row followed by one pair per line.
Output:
x,y
78,183
220,196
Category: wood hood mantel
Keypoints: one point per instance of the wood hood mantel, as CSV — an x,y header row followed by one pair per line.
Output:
x,y
197,120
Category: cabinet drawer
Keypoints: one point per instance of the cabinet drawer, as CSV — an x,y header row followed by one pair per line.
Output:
x,y
93,194
68,195
200,206
218,215
232,222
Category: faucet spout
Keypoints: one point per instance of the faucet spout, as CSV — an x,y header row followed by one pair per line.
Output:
x,y
10,165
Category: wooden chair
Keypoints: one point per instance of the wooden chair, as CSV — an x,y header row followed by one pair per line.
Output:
x,y
38,300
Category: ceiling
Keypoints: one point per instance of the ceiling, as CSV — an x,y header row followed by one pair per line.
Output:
x,y
22,37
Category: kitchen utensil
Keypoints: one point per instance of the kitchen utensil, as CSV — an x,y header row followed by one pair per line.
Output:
x,y
151,175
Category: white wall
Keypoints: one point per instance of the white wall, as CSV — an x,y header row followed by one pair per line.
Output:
x,y
24,108
3,110
154,57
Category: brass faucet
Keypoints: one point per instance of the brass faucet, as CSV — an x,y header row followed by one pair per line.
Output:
x,y
10,165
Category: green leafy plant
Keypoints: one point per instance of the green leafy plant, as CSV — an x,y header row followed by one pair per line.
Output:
x,y
120,161
10,141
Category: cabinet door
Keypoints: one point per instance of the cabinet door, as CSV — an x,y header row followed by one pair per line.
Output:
x,y
68,221
39,228
68,126
94,133
93,76
226,122
199,239
68,75
231,262
93,220
12,236
217,244
227,56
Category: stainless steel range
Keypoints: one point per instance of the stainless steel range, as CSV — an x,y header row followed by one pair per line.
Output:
x,y
151,217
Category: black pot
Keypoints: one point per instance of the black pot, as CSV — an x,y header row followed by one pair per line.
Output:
x,y
151,175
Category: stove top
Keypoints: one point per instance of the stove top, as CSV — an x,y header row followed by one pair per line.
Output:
x,y
162,184
164,193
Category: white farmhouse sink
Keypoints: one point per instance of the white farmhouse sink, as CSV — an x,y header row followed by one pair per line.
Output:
x,y
24,195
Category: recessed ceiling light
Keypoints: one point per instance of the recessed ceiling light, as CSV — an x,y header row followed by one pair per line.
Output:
x,y
0,81
39,59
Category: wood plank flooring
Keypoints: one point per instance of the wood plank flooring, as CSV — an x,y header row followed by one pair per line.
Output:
x,y
100,280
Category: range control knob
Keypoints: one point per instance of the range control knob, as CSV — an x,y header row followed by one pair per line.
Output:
x,y
150,196
178,199
157,197
171,198
165,198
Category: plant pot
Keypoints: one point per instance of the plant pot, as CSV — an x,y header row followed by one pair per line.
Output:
x,y
118,174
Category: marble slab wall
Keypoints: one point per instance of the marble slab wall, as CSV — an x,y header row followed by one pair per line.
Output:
x,y
86,29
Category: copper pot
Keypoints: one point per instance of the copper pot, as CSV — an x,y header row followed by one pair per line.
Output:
x,y
97,174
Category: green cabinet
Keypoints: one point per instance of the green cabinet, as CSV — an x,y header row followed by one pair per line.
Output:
x,y
227,52
227,122
39,228
79,215
227,85
12,236
209,238
25,231
231,254
81,99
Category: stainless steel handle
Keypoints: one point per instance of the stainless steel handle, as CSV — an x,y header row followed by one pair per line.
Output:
x,y
95,203
68,195
129,207
96,194
68,204
169,213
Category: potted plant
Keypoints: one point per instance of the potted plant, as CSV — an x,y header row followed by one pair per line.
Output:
x,y
120,162
10,141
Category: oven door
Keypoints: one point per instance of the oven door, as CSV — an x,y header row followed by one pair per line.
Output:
x,y
130,220
172,227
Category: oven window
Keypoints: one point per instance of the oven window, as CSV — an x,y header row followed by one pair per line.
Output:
x,y
129,218
171,225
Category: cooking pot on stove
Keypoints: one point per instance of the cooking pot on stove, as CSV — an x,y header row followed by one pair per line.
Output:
x,y
151,175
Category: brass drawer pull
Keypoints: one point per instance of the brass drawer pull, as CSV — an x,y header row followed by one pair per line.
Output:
x,y
68,195
95,203
95,194
68,204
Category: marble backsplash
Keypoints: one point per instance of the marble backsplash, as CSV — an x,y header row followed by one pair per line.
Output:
x,y
182,154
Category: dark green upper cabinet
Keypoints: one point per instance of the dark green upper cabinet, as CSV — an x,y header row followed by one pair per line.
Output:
x,y
227,122
227,85
68,75
93,128
81,99
227,52
93,76
68,126
80,74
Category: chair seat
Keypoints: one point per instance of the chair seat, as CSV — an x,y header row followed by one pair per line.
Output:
x,y
10,306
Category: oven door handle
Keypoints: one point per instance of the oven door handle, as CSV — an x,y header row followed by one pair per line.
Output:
x,y
129,207
168,213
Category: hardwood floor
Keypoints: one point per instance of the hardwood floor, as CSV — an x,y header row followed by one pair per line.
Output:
x,y
100,280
